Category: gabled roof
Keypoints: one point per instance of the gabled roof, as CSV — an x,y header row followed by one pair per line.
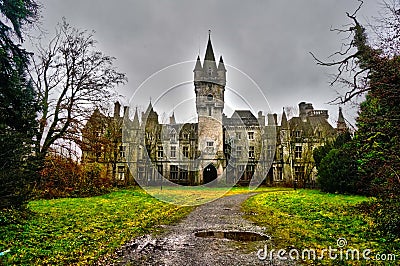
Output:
x,y
243,117
311,125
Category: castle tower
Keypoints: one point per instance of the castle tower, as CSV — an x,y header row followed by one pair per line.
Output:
x,y
341,124
209,83
286,148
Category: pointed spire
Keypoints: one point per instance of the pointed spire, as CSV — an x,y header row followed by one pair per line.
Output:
x,y
136,122
341,118
198,64
284,122
149,108
221,65
341,123
209,52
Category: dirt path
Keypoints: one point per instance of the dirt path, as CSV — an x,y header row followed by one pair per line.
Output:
x,y
180,246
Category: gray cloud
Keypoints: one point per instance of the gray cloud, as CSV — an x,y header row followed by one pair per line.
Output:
x,y
269,40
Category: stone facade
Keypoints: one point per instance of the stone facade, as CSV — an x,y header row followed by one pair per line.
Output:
x,y
216,149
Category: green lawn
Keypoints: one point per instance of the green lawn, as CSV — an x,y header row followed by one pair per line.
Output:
x,y
80,230
196,195
309,219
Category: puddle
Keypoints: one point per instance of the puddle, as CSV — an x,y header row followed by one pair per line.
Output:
x,y
233,235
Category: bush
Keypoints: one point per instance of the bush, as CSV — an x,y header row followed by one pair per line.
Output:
x,y
63,177
337,172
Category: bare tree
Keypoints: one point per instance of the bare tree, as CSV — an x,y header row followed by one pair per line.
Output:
x,y
71,78
354,59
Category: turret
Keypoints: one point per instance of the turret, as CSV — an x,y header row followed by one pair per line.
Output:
x,y
221,72
341,124
198,70
284,122
209,72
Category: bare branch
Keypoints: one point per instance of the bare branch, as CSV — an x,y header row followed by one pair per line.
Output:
x,y
71,77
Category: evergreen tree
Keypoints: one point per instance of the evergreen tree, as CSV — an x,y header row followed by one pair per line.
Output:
x,y
17,105
375,68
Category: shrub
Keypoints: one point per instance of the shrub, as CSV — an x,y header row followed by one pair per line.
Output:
x,y
63,177
337,172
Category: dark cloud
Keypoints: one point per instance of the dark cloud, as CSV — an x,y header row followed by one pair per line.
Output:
x,y
269,40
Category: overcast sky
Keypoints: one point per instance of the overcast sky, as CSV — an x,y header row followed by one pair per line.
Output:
x,y
268,40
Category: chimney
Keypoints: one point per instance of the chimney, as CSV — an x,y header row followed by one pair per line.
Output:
x,y
126,111
117,109
261,119
172,119
272,119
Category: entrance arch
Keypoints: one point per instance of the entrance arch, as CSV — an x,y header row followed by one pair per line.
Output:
x,y
209,173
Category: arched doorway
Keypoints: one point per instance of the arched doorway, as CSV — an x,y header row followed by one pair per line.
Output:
x,y
209,174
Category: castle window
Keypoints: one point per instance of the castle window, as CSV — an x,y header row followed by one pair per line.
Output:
x,y
297,152
173,172
160,151
173,137
185,135
239,151
251,152
251,135
279,173
121,173
141,173
299,172
270,152
238,135
209,97
122,151
297,133
173,151
185,151
249,172
160,169
183,174
210,143
209,111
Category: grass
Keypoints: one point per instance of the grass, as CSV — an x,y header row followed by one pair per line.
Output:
x,y
197,195
80,230
311,219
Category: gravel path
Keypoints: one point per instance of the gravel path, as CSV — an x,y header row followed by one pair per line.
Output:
x,y
180,246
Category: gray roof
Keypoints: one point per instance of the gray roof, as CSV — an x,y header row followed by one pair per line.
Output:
x,y
240,118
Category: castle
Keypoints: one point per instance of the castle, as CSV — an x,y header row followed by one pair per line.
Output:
x,y
217,149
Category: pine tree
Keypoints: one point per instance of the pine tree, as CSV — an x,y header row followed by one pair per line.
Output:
x,y
17,105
